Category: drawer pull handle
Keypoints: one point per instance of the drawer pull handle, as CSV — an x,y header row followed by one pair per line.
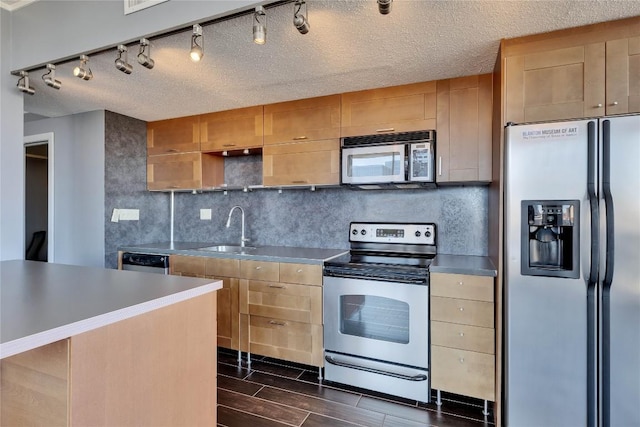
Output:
x,y
258,268
172,150
385,130
273,322
299,182
461,360
460,283
299,270
461,334
228,145
461,308
277,287
599,106
615,103
297,138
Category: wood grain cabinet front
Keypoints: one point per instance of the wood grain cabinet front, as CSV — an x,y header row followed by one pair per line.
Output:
x,y
302,163
463,335
184,171
170,136
392,109
464,133
232,130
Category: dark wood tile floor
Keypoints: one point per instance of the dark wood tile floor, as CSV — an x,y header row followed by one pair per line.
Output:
x,y
275,393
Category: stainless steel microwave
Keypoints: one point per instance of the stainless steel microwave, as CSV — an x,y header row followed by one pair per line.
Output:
x,y
398,158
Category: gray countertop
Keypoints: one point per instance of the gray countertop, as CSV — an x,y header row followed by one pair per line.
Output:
x,y
262,253
41,303
463,264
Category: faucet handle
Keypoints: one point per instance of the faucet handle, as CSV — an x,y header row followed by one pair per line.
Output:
x,y
244,239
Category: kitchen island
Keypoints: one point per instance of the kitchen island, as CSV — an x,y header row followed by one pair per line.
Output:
x,y
91,346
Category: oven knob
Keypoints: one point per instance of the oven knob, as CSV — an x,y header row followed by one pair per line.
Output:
x,y
427,233
418,234
363,232
354,232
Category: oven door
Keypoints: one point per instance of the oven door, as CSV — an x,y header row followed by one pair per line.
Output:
x,y
386,321
374,165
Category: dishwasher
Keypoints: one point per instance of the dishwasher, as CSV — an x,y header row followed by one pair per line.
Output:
x,y
148,263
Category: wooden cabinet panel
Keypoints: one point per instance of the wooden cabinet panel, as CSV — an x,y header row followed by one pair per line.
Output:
x,y
288,340
173,135
228,316
232,130
303,120
302,163
306,274
392,109
462,286
464,117
184,171
183,265
465,337
222,267
463,372
287,301
466,312
260,270
623,76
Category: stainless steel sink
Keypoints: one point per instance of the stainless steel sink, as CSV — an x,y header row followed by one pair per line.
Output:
x,y
228,248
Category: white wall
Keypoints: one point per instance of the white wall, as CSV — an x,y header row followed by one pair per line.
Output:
x,y
79,186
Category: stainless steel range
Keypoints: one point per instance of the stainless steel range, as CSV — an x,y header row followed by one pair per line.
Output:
x,y
376,309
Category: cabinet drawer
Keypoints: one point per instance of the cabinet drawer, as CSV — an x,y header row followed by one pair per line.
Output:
x,y
191,266
464,337
222,267
466,312
287,340
462,286
306,274
463,372
260,270
286,301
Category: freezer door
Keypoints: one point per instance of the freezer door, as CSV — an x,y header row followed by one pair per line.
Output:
x,y
547,317
621,275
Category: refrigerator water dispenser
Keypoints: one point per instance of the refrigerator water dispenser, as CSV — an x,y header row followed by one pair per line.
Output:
x,y
550,238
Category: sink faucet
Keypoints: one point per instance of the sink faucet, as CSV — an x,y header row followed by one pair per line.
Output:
x,y
242,238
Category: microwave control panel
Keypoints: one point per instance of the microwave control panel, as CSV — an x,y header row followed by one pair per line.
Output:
x,y
423,234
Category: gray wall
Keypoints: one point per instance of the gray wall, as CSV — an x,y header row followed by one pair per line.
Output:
x,y
317,219
79,186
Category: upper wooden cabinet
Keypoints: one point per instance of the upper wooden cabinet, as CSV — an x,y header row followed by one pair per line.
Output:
x,y
463,141
586,72
173,135
232,130
302,163
392,109
184,171
303,120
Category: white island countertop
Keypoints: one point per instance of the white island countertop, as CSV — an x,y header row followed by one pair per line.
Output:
x,y
41,303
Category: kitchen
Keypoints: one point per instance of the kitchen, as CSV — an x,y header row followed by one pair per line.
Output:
x,y
461,212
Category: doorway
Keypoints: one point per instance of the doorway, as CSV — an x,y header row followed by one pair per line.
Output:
x,y
39,203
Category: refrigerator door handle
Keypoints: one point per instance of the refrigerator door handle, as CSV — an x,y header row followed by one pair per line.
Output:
x,y
593,203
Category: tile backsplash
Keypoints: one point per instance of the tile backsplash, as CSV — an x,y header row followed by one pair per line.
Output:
x,y
295,217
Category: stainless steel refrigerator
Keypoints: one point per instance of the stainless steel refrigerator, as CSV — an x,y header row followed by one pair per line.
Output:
x,y
572,273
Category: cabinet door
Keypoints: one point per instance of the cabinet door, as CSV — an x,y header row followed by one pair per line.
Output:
x,y
184,171
623,76
556,84
173,135
190,266
228,314
304,120
232,130
302,163
463,141
393,109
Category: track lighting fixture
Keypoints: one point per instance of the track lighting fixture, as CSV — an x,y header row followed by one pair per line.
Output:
x,y
197,44
23,83
144,56
384,6
50,77
123,64
83,71
259,26
300,21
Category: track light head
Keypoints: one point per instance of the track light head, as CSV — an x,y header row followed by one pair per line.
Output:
x,y
50,77
122,64
259,26
197,44
83,71
299,20
384,6
144,56
23,83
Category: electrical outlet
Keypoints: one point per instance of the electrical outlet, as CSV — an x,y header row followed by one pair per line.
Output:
x,y
205,214
129,214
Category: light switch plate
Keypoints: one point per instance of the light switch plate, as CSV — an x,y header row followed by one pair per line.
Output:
x,y
205,214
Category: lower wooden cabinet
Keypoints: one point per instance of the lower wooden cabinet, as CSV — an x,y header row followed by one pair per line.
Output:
x,y
463,335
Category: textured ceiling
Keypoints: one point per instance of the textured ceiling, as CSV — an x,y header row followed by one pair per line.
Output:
x,y
350,47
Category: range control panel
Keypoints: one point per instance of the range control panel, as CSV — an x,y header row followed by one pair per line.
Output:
x,y
422,234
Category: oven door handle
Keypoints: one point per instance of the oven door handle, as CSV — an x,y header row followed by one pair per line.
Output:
x,y
419,377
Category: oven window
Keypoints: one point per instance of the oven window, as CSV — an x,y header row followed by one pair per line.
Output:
x,y
378,318
385,163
